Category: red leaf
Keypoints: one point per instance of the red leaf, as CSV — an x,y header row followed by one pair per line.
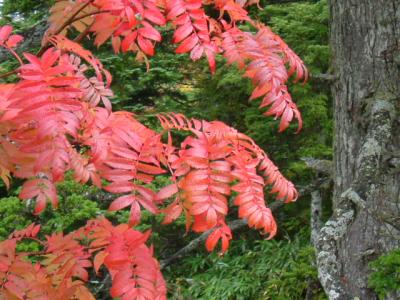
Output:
x,y
128,41
120,187
5,32
149,32
99,260
14,40
183,32
149,205
172,212
146,46
167,192
213,239
134,216
121,202
187,44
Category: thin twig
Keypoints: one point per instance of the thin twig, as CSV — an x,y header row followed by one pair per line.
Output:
x,y
15,71
324,77
82,35
90,14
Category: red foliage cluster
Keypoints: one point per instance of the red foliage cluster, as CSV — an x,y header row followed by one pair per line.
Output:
x,y
130,25
61,268
56,119
212,164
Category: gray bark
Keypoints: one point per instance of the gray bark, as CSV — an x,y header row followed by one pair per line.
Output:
x,y
323,171
365,42
316,209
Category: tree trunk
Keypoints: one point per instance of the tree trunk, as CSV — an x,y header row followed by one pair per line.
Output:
x,y
365,43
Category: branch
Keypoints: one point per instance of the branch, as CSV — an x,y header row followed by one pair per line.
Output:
x,y
193,245
100,196
90,14
4,75
320,166
355,198
82,35
283,1
324,77
67,23
100,286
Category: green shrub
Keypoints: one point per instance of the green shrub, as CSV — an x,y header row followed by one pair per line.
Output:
x,y
385,277
73,211
275,269
14,215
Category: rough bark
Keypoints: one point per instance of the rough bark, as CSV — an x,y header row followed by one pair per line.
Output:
x,y
365,42
322,183
316,209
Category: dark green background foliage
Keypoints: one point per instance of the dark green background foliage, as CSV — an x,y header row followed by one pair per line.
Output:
x,y
253,268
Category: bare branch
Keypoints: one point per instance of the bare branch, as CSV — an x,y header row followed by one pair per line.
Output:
x,y
324,77
193,245
320,166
